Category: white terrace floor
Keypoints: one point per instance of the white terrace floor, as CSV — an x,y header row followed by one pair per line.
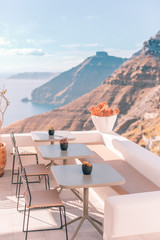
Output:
x,y
11,220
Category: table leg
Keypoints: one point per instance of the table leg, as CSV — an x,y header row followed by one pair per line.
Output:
x,y
94,225
76,193
74,220
85,215
79,225
49,165
85,211
85,201
64,161
95,220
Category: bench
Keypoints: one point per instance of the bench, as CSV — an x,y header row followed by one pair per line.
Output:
x,y
135,181
126,207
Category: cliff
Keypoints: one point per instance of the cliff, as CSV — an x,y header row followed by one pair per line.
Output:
x,y
77,81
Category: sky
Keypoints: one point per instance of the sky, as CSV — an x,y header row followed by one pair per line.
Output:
x,y
56,35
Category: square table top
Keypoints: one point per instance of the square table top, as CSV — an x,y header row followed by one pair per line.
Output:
x,y
43,136
75,150
71,176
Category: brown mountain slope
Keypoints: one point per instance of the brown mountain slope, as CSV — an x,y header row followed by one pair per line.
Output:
x,y
73,116
146,132
76,115
143,129
77,81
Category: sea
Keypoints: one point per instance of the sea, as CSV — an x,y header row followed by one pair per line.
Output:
x,y
17,89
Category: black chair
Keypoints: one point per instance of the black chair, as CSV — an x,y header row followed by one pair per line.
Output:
x,y
39,170
41,200
23,151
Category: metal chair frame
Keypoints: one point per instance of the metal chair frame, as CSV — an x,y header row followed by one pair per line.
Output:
x,y
19,182
13,140
27,190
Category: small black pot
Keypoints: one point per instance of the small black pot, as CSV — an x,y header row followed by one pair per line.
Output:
x,y
51,131
86,170
63,146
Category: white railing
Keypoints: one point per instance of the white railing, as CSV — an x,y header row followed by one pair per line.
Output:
x,y
24,139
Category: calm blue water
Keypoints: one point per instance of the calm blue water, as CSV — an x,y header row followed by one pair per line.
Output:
x,y
16,90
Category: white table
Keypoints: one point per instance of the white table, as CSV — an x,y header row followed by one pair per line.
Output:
x,y
43,136
71,176
75,150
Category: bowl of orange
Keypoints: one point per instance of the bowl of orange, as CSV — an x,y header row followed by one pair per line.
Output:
x,y
86,168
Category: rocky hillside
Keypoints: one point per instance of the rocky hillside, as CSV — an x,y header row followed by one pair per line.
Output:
x,y
76,115
134,88
73,116
141,71
146,132
77,81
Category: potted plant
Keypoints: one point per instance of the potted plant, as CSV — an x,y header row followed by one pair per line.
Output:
x,y
51,130
64,144
86,168
3,107
104,117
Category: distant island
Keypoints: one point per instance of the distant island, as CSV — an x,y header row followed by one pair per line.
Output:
x,y
34,75
25,99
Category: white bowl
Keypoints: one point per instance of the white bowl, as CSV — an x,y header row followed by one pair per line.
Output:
x,y
104,124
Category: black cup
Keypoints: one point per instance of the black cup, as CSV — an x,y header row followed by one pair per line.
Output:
x,y
51,131
86,170
63,146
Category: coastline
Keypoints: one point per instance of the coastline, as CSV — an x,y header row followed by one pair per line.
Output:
x,y
18,89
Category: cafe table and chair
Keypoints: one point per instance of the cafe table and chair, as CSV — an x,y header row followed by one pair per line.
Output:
x,y
71,176
74,151
44,137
